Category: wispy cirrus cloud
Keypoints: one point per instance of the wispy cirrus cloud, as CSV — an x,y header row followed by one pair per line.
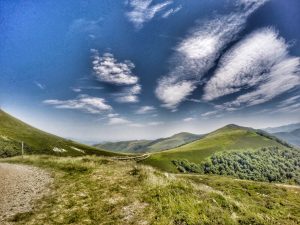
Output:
x,y
89,104
289,101
289,105
129,94
155,123
39,85
118,121
199,50
108,69
81,88
172,11
188,119
259,65
145,109
86,26
142,11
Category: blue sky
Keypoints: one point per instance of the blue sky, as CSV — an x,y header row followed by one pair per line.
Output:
x,y
115,70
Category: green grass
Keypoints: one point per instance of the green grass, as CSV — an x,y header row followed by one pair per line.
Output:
x,y
99,190
228,138
14,131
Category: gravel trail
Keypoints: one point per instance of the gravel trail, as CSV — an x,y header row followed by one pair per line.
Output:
x,y
20,186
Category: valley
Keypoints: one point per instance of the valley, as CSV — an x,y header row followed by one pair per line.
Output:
x,y
171,186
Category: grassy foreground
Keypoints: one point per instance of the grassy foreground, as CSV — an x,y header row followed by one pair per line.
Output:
x,y
94,190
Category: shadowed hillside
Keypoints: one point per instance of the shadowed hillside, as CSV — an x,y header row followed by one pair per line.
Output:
x,y
14,131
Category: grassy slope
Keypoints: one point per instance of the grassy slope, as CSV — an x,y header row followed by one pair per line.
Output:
x,y
138,146
13,131
230,137
95,190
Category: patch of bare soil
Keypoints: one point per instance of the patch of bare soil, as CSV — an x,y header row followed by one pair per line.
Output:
x,y
20,187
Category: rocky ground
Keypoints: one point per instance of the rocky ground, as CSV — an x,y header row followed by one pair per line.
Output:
x,y
20,187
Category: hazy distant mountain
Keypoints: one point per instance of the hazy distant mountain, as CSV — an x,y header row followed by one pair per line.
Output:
x,y
285,128
136,146
289,133
292,137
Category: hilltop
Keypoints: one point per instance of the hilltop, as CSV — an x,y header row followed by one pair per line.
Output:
x,y
229,138
14,131
141,146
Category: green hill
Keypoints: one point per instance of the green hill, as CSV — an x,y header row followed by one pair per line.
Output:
x,y
228,138
139,146
14,131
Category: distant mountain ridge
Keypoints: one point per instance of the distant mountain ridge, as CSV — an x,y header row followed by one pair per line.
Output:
x,y
289,133
284,128
14,131
140,146
292,137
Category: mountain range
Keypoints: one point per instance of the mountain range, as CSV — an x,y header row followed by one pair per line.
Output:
x,y
289,133
141,146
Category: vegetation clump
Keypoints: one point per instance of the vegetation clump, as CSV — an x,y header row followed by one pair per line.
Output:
x,y
267,164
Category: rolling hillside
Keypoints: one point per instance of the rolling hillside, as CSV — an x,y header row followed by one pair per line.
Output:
x,y
14,131
228,138
139,146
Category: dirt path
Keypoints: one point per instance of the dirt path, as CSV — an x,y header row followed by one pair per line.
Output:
x,y
20,186
136,157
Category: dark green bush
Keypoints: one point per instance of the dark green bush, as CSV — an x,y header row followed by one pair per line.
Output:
x,y
267,164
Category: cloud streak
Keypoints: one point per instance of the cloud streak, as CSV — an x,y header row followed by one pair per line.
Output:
x,y
84,103
260,65
129,94
171,12
143,11
118,121
145,109
198,52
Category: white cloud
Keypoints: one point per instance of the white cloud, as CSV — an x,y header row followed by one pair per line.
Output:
x,y
84,103
197,53
127,99
155,123
83,25
210,113
173,93
172,11
145,109
76,89
188,119
111,115
143,11
118,121
129,94
39,85
80,88
259,64
108,70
